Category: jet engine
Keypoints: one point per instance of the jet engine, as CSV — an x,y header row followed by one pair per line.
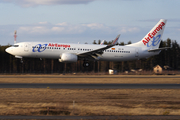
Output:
x,y
68,57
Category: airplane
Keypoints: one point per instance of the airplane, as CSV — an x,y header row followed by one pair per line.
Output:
x,y
67,53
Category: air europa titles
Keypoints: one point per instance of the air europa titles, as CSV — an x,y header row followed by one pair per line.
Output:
x,y
58,45
42,47
151,35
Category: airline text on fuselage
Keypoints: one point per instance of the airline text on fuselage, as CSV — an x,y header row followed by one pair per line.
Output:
x,y
58,45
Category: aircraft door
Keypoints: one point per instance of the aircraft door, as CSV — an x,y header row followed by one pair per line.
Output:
x,y
26,47
136,52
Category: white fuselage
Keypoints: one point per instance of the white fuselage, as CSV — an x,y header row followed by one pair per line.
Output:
x,y
55,50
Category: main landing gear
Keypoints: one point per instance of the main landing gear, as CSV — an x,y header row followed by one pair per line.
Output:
x,y
86,64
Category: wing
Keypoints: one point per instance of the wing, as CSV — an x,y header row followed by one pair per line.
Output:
x,y
95,54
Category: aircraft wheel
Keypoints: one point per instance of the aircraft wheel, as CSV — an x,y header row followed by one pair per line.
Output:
x,y
85,64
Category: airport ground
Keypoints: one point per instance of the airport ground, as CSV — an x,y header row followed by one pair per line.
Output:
x,y
89,102
156,79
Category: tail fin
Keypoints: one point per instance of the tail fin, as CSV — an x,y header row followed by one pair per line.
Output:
x,y
153,39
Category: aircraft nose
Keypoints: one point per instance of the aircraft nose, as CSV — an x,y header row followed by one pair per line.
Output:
x,y
8,50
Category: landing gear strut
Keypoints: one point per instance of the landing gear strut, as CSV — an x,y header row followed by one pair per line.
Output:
x,y
21,60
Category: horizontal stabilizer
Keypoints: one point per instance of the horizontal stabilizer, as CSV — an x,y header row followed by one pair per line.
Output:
x,y
158,49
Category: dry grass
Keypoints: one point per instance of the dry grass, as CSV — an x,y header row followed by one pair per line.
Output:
x,y
89,102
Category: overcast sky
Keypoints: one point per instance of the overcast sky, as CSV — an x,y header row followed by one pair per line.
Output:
x,y
83,21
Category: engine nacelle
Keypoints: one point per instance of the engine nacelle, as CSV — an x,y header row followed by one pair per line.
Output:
x,y
68,57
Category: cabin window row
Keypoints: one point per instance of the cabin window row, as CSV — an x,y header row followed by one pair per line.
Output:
x,y
47,47
71,48
82,49
117,51
54,48
85,49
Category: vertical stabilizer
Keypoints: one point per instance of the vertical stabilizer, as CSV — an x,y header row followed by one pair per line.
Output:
x,y
152,39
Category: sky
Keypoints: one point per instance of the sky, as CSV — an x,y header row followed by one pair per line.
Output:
x,y
73,21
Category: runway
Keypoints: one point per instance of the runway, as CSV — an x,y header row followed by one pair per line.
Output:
x,y
88,76
89,86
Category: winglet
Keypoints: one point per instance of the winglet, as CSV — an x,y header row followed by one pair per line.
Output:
x,y
116,40
102,43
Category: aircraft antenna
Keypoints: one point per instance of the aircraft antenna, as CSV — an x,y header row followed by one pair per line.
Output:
x,y
15,36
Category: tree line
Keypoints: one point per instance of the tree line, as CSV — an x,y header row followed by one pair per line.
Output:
x,y
169,57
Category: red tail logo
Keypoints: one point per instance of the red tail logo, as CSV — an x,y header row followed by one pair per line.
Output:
x,y
151,35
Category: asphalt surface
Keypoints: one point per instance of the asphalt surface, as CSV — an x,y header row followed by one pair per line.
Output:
x,y
89,86
88,76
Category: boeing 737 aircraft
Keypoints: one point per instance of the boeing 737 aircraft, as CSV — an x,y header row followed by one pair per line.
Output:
x,y
66,52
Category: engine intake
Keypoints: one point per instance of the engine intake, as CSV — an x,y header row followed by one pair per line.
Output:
x,y
68,57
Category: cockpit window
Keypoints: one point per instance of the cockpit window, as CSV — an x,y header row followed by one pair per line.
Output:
x,y
15,45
